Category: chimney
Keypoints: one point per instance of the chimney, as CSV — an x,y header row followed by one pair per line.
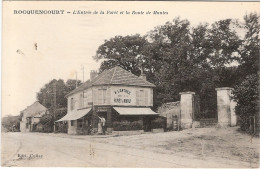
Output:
x,y
142,75
93,74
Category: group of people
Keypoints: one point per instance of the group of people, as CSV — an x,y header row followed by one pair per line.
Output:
x,y
101,125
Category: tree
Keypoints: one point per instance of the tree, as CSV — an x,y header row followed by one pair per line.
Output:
x,y
46,94
46,98
250,48
246,92
11,123
71,85
177,57
122,51
247,97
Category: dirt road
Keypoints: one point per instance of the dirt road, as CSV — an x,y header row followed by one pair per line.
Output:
x,y
61,150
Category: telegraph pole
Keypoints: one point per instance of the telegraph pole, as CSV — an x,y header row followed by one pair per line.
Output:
x,y
82,68
54,104
83,97
76,79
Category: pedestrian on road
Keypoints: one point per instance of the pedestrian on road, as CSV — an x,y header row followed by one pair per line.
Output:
x,y
99,126
103,122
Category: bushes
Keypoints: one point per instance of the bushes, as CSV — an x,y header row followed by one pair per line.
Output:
x,y
127,125
11,123
159,122
247,97
47,123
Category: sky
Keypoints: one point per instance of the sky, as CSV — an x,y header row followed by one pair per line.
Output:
x,y
67,42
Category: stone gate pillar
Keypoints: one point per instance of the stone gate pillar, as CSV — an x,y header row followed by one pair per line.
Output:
x,y
226,111
187,109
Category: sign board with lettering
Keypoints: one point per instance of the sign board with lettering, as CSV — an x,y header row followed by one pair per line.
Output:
x,y
123,95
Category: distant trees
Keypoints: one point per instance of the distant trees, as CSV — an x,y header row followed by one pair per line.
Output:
x,y
46,97
46,94
11,123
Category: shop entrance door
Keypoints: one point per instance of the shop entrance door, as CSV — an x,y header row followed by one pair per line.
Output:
x,y
147,123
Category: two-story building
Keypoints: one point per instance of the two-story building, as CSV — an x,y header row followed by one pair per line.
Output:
x,y
31,115
116,95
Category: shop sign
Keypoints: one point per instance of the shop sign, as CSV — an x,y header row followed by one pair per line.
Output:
x,y
101,109
123,96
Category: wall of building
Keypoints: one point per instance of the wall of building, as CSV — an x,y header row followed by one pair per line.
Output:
x,y
35,120
111,95
131,96
72,129
23,127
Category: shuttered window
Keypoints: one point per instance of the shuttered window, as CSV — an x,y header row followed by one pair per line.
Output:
x,y
80,100
102,96
95,96
151,96
72,106
146,97
108,95
142,97
100,93
137,97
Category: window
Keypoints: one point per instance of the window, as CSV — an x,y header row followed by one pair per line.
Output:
x,y
72,104
146,97
102,94
72,122
81,100
141,98
137,98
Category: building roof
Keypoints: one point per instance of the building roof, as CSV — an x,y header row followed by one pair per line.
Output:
x,y
114,76
36,109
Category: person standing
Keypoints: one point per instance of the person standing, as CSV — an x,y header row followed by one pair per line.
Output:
x,y
103,122
99,126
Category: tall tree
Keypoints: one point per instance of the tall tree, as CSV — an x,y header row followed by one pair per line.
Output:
x,y
46,94
122,51
246,93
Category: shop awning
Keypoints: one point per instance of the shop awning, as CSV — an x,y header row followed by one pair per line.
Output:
x,y
134,111
75,115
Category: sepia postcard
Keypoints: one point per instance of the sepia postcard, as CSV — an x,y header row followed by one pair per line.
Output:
x,y
130,84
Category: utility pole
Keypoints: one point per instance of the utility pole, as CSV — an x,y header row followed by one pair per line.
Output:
x,y
76,79
83,97
82,68
54,104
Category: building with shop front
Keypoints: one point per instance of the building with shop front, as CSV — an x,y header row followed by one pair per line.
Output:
x,y
31,116
115,95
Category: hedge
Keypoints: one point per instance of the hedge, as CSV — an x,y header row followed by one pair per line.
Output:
x,y
159,122
127,125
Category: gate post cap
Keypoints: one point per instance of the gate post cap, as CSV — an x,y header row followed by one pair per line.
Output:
x,y
181,93
224,88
